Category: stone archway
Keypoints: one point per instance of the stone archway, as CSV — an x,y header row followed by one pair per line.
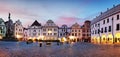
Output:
x,y
103,40
109,39
117,37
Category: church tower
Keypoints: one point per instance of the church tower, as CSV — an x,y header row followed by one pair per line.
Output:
x,y
9,16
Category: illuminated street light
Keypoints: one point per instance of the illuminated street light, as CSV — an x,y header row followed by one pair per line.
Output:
x,y
0,37
49,31
59,39
40,38
18,36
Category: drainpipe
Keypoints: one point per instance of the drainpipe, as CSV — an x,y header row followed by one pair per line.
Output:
x,y
112,31
99,33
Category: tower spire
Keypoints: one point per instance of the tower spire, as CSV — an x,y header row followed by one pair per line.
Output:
x,y
9,16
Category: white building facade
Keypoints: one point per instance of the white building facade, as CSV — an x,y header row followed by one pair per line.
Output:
x,y
64,31
18,29
34,31
50,31
105,29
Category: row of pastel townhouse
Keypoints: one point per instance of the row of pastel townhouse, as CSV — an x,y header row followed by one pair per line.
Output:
x,y
48,31
105,28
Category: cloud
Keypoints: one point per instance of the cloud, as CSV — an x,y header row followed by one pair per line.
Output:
x,y
68,20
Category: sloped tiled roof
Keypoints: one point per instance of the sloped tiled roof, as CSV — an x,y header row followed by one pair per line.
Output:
x,y
36,23
106,14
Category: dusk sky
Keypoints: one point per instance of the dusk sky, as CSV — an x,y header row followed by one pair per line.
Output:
x,y
60,11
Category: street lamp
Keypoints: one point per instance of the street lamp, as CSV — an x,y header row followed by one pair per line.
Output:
x,y
18,37
63,39
49,31
40,38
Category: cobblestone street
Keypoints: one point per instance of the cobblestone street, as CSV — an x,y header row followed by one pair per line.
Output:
x,y
21,49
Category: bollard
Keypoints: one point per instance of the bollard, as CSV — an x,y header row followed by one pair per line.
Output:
x,y
58,43
40,44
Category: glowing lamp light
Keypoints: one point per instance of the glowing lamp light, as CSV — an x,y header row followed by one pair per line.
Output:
x,y
30,38
0,37
18,36
63,39
117,35
71,37
59,39
49,31
40,37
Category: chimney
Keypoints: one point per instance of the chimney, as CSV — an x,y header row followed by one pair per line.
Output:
x,y
113,5
107,9
101,13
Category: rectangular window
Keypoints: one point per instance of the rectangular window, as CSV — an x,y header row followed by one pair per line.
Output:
x,y
72,34
103,21
75,34
105,29
55,33
95,31
75,30
107,20
44,33
49,29
98,31
95,25
98,25
118,17
34,31
50,33
109,29
117,27
55,29
72,30
38,33
79,34
44,29
101,30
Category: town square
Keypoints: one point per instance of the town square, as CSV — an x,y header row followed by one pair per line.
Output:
x,y
59,28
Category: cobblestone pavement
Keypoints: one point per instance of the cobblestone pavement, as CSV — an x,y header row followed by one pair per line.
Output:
x,y
21,49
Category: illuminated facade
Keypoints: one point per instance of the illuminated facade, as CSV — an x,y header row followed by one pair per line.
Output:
x,y
64,31
50,30
18,29
34,31
2,28
76,31
86,35
105,29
